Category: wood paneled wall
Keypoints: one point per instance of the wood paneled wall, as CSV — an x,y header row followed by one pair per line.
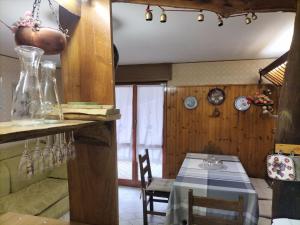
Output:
x,y
249,135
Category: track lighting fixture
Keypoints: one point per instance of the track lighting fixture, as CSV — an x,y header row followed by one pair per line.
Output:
x,y
220,21
248,19
200,17
254,16
163,17
148,14
249,16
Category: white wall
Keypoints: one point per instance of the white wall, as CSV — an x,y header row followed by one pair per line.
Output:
x,y
225,72
9,70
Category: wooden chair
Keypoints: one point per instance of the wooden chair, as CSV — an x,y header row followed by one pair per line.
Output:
x,y
153,189
236,206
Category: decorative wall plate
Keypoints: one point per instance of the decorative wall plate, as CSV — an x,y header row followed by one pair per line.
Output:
x,y
241,103
216,96
190,102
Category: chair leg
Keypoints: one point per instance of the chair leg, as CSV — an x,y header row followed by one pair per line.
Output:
x,y
145,217
151,203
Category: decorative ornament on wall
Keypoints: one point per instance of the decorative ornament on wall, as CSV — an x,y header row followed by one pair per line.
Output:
x,y
216,96
263,100
242,104
190,102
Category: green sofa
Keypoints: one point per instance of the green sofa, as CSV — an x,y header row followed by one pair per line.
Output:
x,y
45,194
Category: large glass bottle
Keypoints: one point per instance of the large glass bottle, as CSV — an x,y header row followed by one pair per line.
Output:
x,y
50,97
27,99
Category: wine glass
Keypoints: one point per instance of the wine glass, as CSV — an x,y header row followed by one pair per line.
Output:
x,y
47,154
26,165
38,157
71,146
65,148
58,150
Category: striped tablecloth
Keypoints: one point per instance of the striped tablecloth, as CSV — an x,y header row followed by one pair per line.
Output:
x,y
227,183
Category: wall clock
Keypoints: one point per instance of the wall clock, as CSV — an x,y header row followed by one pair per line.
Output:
x,y
216,96
241,103
190,102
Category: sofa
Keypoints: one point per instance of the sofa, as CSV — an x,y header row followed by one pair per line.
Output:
x,y
45,194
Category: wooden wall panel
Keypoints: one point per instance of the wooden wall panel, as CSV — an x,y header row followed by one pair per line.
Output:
x,y
246,134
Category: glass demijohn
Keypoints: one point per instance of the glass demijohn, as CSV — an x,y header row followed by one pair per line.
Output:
x,y
50,98
27,101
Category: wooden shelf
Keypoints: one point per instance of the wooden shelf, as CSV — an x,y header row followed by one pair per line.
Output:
x,y
10,132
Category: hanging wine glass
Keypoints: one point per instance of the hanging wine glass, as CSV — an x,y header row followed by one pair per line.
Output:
x,y
47,154
38,157
65,148
26,165
71,146
53,155
57,151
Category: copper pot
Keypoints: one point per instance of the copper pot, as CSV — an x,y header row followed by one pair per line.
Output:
x,y
52,41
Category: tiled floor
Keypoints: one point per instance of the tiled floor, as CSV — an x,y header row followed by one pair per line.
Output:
x,y
131,210
125,169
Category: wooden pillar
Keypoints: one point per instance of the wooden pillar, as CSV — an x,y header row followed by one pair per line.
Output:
x,y
288,131
88,75
286,194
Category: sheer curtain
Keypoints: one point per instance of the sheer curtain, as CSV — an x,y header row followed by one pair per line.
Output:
x,y
124,131
150,102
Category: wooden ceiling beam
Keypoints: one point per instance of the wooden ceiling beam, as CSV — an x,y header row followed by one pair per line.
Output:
x,y
223,7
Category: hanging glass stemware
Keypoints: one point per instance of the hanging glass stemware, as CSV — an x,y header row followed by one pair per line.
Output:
x,y
50,98
27,100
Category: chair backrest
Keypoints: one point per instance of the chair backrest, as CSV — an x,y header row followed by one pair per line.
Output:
x,y
145,170
236,206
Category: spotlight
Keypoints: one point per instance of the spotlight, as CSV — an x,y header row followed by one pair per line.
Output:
x,y
220,24
248,20
254,16
163,17
200,17
148,14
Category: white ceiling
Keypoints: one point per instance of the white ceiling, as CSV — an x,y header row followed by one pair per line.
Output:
x,y
181,39
184,39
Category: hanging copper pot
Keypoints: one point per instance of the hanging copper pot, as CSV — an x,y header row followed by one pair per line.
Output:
x,y
52,41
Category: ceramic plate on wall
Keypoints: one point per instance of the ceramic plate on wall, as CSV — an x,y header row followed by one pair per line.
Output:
x,y
190,102
216,96
241,103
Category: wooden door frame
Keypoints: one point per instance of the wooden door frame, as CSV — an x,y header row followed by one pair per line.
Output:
x,y
135,182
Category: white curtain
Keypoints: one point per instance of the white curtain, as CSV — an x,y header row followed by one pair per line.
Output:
x,y
124,125
150,102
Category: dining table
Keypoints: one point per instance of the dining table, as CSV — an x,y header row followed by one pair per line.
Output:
x,y
227,182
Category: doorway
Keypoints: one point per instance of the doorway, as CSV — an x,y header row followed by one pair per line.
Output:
x,y
140,128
